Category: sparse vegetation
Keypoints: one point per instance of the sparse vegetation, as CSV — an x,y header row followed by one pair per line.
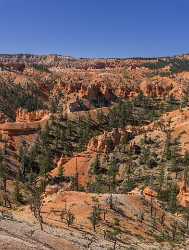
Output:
x,y
105,135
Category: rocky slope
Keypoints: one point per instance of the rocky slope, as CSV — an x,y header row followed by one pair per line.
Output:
x,y
95,130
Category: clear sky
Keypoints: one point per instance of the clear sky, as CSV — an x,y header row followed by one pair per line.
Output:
x,y
95,28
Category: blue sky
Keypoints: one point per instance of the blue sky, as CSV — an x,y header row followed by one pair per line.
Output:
x,y
95,28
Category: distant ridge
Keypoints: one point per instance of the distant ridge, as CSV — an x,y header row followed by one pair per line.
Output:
x,y
28,55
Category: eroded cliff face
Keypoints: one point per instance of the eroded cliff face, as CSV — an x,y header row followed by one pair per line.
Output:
x,y
3,118
83,90
157,87
26,122
107,141
24,116
88,84
183,196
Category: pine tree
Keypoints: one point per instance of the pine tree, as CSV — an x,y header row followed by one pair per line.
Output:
x,y
45,163
173,198
161,178
95,215
23,160
96,166
18,197
115,232
112,173
3,172
61,173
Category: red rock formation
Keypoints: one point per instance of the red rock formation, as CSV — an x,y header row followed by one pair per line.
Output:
x,y
3,118
149,192
183,196
105,142
157,87
26,126
24,116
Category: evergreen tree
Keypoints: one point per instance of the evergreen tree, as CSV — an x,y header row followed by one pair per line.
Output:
x,y
161,178
112,173
95,216
172,202
115,232
61,173
18,197
45,163
3,172
96,166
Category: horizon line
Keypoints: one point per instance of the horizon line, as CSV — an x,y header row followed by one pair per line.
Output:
x,y
88,57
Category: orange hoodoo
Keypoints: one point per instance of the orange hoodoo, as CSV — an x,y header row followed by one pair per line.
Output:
x,y
183,196
149,192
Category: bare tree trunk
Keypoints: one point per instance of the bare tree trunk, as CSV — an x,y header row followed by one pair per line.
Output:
x,y
114,247
40,219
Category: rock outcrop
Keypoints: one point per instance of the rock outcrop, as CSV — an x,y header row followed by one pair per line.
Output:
x,y
157,87
24,116
183,196
105,142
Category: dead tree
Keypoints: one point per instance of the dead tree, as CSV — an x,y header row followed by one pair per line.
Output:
x,y
162,218
36,202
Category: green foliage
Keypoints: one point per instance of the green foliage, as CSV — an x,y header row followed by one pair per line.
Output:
x,y
161,178
121,115
96,166
112,173
114,233
176,65
41,68
159,64
17,194
126,74
169,195
45,163
3,171
61,173
15,96
55,103
128,185
95,216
